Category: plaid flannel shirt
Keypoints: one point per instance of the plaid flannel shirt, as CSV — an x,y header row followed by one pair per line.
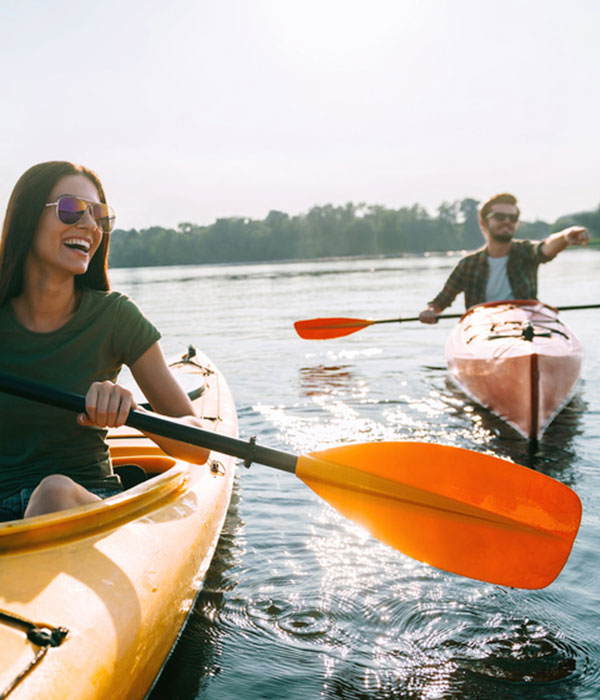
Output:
x,y
471,275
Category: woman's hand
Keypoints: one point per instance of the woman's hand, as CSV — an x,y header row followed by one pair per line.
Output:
x,y
107,405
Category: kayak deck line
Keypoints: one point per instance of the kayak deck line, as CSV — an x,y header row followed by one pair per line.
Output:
x,y
39,634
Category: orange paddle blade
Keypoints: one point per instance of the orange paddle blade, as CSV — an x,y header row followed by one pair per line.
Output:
x,y
324,328
458,510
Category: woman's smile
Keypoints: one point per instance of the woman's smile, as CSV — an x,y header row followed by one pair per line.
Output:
x,y
81,245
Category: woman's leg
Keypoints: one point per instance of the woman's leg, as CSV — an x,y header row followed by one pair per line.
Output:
x,y
57,492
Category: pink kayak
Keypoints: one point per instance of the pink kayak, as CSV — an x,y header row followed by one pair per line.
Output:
x,y
518,359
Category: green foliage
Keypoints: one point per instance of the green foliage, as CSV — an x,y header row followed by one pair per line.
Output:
x,y
589,219
471,231
324,231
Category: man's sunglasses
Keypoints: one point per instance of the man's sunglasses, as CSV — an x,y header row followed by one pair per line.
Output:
x,y
72,209
503,217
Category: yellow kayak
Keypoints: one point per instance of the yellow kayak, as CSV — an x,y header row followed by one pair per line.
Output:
x,y
111,584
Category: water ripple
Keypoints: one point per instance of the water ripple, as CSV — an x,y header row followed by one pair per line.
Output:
x,y
304,605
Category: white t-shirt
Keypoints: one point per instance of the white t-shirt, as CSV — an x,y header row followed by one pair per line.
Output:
x,y
498,286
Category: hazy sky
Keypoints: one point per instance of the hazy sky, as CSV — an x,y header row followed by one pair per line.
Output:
x,y
191,110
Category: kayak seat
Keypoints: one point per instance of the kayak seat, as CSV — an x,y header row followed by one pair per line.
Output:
x,y
134,469
130,474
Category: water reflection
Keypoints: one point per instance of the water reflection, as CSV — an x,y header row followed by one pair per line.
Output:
x,y
228,272
396,628
555,454
322,379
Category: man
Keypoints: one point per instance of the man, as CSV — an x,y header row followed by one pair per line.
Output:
x,y
504,268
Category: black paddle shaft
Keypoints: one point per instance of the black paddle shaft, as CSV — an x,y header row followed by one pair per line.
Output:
x,y
442,316
150,423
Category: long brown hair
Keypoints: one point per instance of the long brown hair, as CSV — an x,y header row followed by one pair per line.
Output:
x,y
23,213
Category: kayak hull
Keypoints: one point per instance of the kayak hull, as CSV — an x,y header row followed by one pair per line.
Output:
x,y
121,575
517,359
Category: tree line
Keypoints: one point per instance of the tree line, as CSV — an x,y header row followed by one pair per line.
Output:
x,y
324,231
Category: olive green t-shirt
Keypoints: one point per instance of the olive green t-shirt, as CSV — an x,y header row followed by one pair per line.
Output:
x,y
107,331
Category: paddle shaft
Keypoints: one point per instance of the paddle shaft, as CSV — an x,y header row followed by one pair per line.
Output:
x,y
578,307
442,316
151,423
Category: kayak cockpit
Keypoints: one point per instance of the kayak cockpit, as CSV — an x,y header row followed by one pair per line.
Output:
x,y
159,478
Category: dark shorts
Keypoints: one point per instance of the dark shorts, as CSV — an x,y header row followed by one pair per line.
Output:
x,y
13,507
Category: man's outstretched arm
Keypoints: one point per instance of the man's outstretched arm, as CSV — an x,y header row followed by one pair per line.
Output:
x,y
574,235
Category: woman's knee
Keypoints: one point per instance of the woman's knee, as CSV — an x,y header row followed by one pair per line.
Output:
x,y
57,492
55,487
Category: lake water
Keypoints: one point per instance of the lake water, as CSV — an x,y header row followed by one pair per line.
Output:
x,y
299,603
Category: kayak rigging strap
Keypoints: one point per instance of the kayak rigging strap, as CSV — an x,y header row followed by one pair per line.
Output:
x,y
38,633
187,359
529,333
526,332
555,330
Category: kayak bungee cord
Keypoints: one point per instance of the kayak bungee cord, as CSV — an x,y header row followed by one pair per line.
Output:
x,y
41,635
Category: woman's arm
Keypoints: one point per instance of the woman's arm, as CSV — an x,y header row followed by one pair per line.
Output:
x,y
108,404
160,387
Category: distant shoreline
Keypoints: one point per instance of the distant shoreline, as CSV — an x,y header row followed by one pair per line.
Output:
x,y
594,244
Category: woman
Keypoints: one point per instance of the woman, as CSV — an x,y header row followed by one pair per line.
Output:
x,y
60,324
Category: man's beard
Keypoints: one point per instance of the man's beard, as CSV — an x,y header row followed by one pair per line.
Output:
x,y
503,237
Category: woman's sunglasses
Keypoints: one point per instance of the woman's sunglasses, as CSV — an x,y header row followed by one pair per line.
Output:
x,y
72,209
503,217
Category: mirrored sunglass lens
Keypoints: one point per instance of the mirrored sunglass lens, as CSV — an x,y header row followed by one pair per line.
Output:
x,y
104,217
70,209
